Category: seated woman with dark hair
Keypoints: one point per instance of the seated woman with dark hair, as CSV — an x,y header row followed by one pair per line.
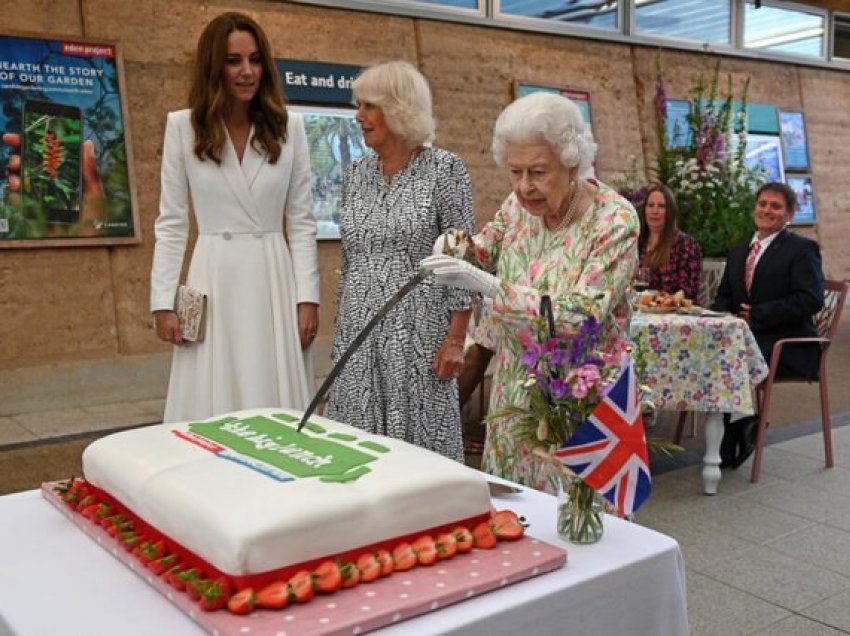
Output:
x,y
673,257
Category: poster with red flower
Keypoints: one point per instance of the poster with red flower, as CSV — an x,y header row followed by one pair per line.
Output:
x,y
64,155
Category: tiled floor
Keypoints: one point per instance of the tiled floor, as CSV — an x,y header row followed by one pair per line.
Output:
x,y
766,558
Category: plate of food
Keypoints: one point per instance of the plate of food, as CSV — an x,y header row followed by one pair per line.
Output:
x,y
662,302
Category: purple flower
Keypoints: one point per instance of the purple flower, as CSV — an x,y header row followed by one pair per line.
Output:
x,y
530,356
585,341
558,388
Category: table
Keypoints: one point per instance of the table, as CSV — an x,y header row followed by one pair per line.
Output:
x,y
700,363
55,580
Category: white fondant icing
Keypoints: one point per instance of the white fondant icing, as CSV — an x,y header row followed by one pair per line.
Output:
x,y
244,522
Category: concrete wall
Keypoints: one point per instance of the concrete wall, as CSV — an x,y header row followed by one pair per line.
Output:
x,y
72,316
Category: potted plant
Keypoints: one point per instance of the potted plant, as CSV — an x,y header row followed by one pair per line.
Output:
x,y
715,188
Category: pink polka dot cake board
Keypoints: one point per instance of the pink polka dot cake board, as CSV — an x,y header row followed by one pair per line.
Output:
x,y
360,609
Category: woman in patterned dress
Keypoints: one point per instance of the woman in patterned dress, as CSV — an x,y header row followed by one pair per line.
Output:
x,y
559,233
402,382
674,258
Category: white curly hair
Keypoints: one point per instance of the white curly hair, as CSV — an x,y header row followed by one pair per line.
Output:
x,y
550,118
403,94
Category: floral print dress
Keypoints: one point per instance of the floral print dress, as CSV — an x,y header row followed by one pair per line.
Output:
x,y
585,267
387,226
682,271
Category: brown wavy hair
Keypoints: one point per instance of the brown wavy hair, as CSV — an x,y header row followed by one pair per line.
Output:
x,y
210,100
661,254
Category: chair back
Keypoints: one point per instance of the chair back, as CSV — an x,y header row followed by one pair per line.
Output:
x,y
835,295
709,280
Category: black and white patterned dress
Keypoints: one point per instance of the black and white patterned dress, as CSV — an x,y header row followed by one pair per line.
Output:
x,y
387,227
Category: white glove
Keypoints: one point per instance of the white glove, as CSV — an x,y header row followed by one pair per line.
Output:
x,y
453,243
453,272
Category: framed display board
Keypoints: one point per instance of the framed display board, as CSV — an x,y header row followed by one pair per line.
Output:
x,y
65,171
579,97
335,141
802,186
794,145
765,152
676,123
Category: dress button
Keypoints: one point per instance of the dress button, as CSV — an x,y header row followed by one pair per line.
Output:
x,y
258,235
226,236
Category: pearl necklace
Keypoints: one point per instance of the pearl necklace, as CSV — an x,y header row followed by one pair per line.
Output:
x,y
572,208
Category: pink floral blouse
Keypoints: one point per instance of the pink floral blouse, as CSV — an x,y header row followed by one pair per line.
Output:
x,y
585,267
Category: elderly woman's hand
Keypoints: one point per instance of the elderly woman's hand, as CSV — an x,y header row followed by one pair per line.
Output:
x,y
453,272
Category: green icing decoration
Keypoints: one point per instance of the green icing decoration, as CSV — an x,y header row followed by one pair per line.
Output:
x,y
378,448
285,448
351,475
286,417
344,437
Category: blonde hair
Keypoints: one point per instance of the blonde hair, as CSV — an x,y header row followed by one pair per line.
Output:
x,y
402,92
550,118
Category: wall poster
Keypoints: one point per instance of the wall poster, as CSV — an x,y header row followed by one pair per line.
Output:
x,y
65,174
321,93
794,143
802,186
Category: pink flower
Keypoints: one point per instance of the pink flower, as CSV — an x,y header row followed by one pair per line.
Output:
x,y
533,269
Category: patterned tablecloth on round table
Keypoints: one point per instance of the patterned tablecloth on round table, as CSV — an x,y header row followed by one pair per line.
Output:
x,y
699,363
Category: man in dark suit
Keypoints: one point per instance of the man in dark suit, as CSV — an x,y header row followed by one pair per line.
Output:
x,y
774,281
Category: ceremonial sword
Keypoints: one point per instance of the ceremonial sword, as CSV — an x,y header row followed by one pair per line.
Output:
x,y
421,275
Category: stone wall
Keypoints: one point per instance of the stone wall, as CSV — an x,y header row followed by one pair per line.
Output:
x,y
67,309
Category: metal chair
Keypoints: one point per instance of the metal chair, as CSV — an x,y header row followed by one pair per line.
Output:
x,y
826,322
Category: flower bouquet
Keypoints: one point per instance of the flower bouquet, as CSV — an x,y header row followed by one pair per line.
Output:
x,y
566,378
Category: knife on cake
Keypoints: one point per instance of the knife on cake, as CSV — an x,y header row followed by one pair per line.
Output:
x,y
420,276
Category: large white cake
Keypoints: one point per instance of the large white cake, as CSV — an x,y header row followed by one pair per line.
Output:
x,y
248,494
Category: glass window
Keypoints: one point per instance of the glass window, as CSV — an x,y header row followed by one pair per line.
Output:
x,y
782,29
697,20
841,37
458,4
596,13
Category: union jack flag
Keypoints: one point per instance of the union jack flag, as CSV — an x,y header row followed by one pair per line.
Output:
x,y
608,451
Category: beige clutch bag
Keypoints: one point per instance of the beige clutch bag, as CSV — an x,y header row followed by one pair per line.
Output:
x,y
191,309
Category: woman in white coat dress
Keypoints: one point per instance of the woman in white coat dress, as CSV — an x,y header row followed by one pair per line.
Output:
x,y
242,161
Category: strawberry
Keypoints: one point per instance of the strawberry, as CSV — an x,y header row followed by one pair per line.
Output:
x,y
369,567
425,549
386,561
464,539
85,502
215,595
446,545
327,578
242,602
172,572
130,540
507,525
152,551
350,575
76,493
301,586
483,536
183,579
404,557
90,512
273,596
196,588
160,565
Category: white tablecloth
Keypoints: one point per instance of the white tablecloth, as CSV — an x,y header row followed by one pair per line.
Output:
x,y
56,580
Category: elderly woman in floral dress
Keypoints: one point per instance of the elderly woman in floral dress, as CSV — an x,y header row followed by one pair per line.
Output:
x,y
559,233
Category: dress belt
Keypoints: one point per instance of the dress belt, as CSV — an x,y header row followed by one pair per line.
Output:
x,y
227,234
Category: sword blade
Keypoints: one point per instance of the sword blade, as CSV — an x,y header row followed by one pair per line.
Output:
x,y
421,275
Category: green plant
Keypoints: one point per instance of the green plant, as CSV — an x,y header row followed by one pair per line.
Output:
x,y
714,186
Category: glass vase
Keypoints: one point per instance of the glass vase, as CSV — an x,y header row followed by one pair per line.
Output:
x,y
579,511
